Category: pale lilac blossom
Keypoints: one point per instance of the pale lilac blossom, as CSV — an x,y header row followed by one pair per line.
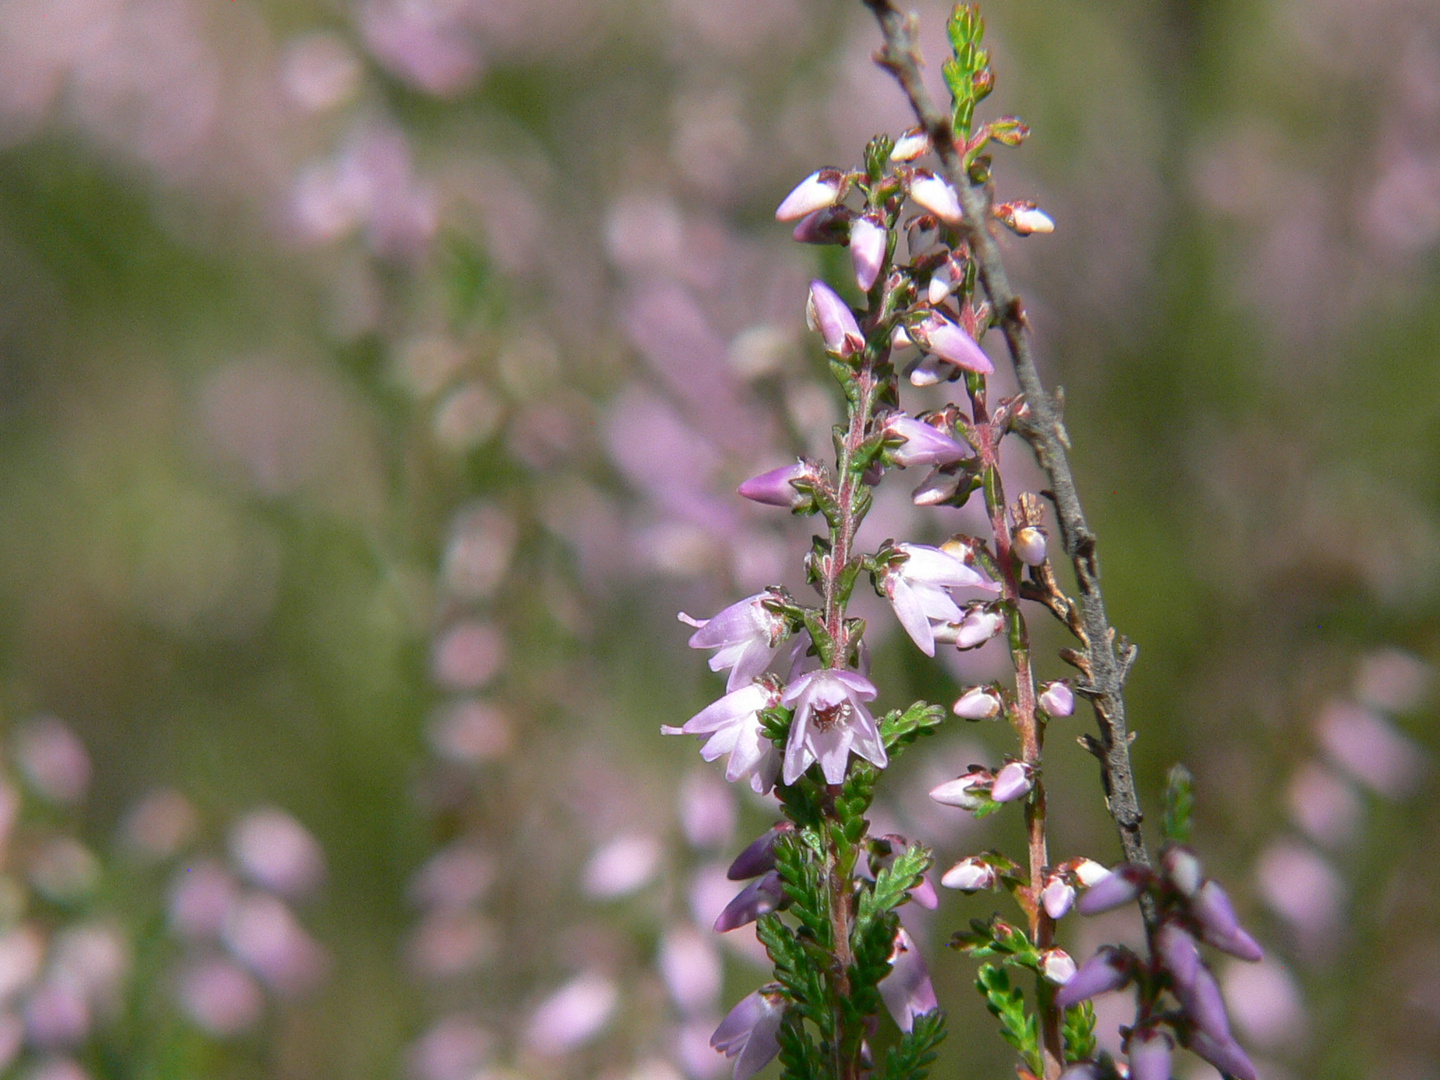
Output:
x,y
1013,782
829,315
621,866
912,143
828,226
572,1015
821,189
733,724
1122,885
907,990
1057,699
778,486
970,875
968,792
938,335
921,443
750,1031
759,855
1109,969
1057,897
1149,1054
1225,1054
978,703
916,590
979,625
1182,869
935,195
1219,925
868,240
1057,966
831,720
745,634
760,897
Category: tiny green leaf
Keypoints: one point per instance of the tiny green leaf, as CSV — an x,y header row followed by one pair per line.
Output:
x,y
1179,805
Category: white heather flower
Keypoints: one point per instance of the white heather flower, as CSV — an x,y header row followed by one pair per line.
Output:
x,y
817,191
1013,781
733,724
942,283
1057,966
1029,218
746,636
1028,543
1089,872
916,590
970,875
913,143
978,703
1058,897
935,195
830,721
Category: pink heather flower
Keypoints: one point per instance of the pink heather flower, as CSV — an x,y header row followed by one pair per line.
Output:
x,y
937,334
978,703
979,625
1204,1005
1028,543
817,191
1219,926
750,1032
943,281
916,590
936,488
1013,782
1057,966
970,875
733,724
1109,969
968,792
907,990
1225,1054
921,444
1149,1053
828,226
925,895
777,487
830,721
935,195
913,143
760,897
1122,885
831,317
868,240
1057,897
1178,954
746,636
1057,699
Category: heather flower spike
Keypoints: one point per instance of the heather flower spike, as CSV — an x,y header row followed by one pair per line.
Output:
x,y
819,190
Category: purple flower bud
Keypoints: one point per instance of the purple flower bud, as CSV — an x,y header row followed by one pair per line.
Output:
x,y
1013,782
967,792
978,703
1057,966
1028,543
913,143
1057,698
924,894
1109,969
760,897
826,313
1182,869
817,191
828,226
935,195
750,1032
1058,897
921,443
759,857
868,240
1149,1053
906,989
1219,925
970,875
939,487
1122,885
1178,954
938,335
1224,1054
1204,1005
979,625
778,486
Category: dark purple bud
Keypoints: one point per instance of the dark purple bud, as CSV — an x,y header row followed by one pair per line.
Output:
x,y
1219,926
1225,1054
828,226
1109,969
1123,884
1204,1006
759,857
760,897
1178,954
778,486
867,249
1149,1053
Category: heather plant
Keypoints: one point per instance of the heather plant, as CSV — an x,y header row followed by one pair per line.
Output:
x,y
829,897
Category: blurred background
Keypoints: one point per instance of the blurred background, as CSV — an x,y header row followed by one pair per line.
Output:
x,y
374,380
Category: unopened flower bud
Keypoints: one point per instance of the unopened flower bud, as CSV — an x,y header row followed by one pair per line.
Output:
x,y
868,240
912,144
1028,543
966,792
1182,869
828,226
906,989
1225,1054
938,335
935,195
1023,217
970,875
759,856
1204,1005
817,191
1057,966
1109,969
826,313
1149,1053
1088,872
760,897
937,488
978,703
778,486
942,282
923,893
921,444
1219,925
1057,699
1178,954
1057,897
750,1033
979,625
899,339
1013,782
1120,886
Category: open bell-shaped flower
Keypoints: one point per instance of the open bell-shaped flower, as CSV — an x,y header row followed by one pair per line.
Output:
x,y
921,443
829,315
906,989
831,720
868,240
750,1033
745,636
937,334
817,191
733,724
916,589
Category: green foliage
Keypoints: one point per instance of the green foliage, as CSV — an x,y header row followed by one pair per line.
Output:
x,y
900,729
967,73
877,157
997,938
1179,805
1079,1032
799,1057
802,878
1007,1004
893,883
911,1057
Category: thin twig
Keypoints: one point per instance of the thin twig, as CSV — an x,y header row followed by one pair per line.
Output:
x,y
1108,658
